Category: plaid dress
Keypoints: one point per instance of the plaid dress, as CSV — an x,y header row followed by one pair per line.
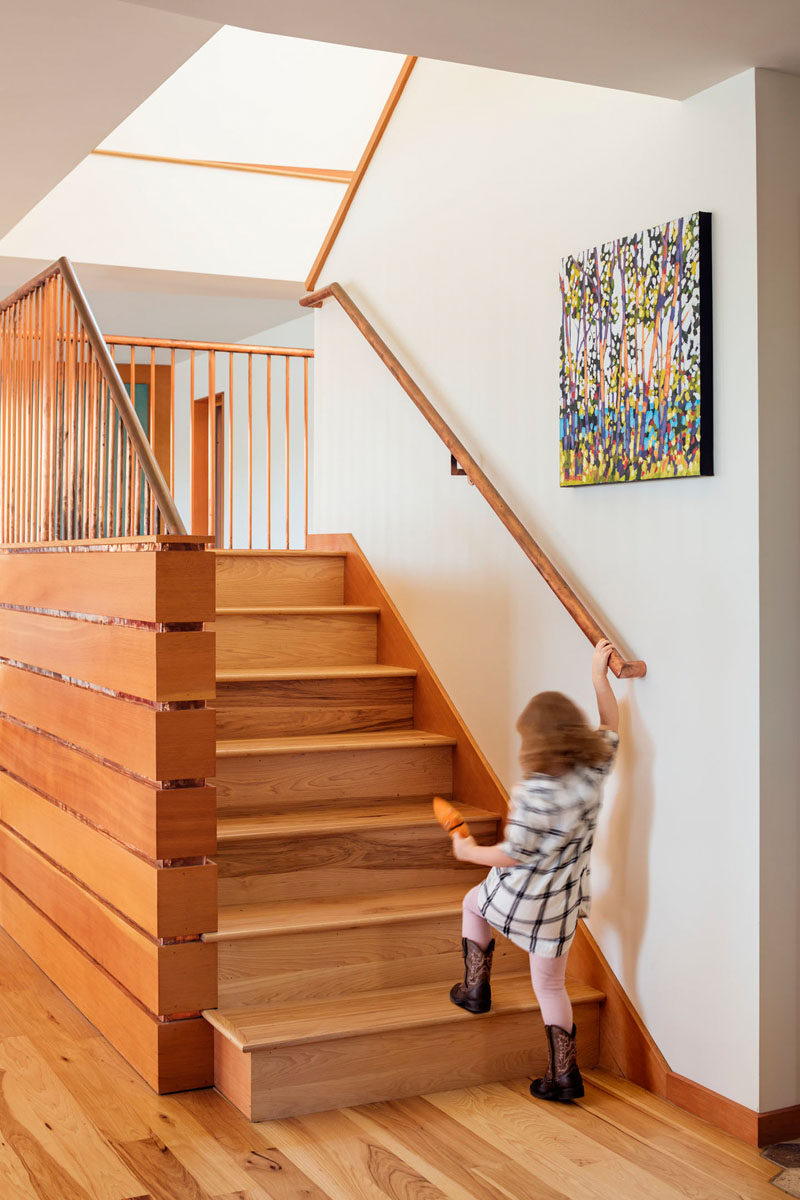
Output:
x,y
550,830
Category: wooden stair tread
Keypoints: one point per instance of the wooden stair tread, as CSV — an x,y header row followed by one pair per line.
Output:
x,y
281,553
302,822
253,1029
268,674
297,610
386,739
300,916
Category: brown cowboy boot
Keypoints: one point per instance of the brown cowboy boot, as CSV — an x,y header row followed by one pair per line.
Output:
x,y
475,993
562,1080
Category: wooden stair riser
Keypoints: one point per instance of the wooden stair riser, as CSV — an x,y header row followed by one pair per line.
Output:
x,y
276,708
271,783
334,865
290,1080
323,964
245,580
296,639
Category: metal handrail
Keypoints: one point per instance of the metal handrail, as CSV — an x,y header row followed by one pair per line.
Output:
x,y
622,668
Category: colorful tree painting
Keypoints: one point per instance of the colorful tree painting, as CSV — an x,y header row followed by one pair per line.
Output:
x,y
636,357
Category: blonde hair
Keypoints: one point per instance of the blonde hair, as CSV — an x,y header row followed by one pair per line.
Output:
x,y
557,737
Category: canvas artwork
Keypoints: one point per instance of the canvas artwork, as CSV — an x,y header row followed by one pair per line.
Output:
x,y
636,357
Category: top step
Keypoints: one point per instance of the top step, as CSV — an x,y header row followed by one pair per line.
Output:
x,y
269,578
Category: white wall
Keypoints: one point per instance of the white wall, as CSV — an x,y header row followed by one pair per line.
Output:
x,y
482,183
778,126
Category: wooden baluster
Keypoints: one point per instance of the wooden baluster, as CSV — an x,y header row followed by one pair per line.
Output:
x,y
79,423
151,500
102,455
250,451
67,455
37,418
288,461
3,473
119,492
305,450
94,427
5,400
230,451
192,447
26,406
135,484
45,462
212,446
15,442
172,420
269,451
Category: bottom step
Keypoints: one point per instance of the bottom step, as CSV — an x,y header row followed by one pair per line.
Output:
x,y
281,1062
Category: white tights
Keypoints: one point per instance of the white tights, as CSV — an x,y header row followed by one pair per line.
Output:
x,y
547,974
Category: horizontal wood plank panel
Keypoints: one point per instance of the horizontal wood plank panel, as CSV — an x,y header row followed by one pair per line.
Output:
x,y
244,579
171,1055
474,781
166,902
137,662
307,639
166,586
161,744
160,823
167,980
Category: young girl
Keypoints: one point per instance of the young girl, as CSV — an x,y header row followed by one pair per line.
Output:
x,y
539,882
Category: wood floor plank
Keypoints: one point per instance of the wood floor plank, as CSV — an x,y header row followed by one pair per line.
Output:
x,y
716,1172
77,1123
162,1174
271,1173
682,1176
434,1143
39,1116
532,1135
688,1125
334,1151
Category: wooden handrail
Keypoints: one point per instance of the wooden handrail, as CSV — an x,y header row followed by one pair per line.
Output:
x,y
118,339
622,668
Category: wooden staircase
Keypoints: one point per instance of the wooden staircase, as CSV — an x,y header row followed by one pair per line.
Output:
x,y
339,923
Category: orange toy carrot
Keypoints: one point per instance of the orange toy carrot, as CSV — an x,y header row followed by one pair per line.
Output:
x,y
450,818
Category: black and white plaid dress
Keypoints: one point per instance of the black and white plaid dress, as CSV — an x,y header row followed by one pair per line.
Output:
x,y
550,830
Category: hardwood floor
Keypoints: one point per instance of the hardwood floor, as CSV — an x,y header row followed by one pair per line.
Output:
x,y
77,1123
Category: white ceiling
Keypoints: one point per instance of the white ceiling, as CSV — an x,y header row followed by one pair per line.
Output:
x,y
173,304
255,97
47,47
670,48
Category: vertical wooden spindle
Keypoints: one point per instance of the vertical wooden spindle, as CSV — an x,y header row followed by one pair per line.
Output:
x,y
250,451
288,458
212,447
230,451
192,447
269,451
305,449
172,421
151,505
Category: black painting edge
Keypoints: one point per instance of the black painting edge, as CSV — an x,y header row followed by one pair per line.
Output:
x,y
706,348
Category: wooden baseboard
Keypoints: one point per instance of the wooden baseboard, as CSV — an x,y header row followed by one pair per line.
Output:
x,y
627,1049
